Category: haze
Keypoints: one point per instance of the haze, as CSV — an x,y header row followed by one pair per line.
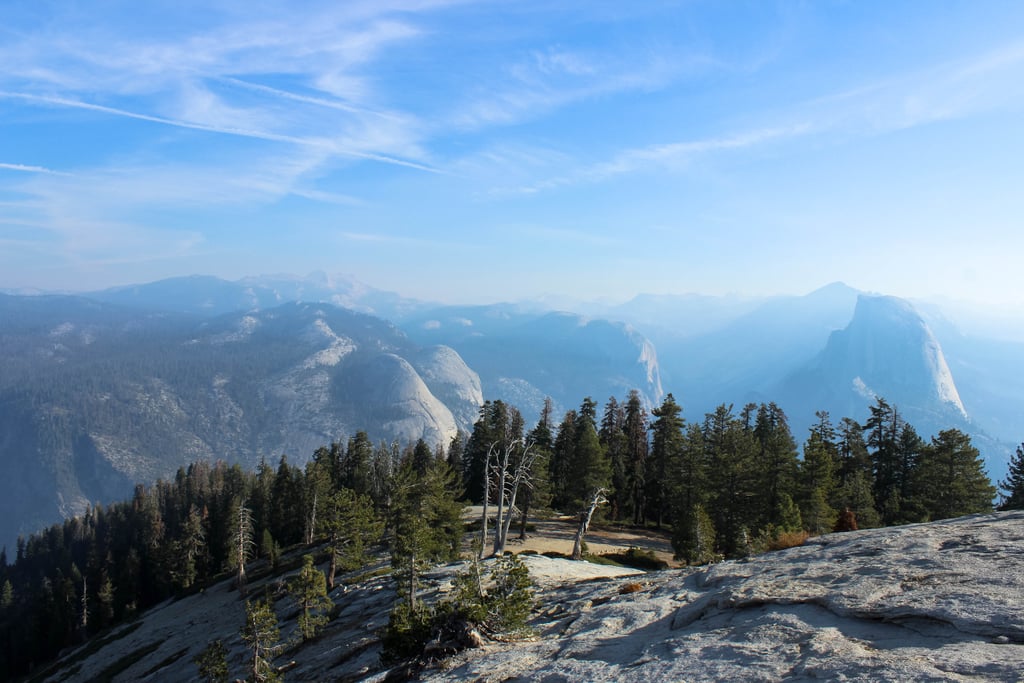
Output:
x,y
473,151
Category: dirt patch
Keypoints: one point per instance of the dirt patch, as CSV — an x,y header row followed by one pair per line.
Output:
x,y
556,534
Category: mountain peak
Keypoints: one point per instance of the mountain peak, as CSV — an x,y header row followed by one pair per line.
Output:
x,y
891,350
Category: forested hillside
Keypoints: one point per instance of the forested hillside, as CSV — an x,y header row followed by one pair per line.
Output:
x,y
727,485
95,397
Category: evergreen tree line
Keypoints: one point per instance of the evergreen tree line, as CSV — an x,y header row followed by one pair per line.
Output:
x,y
80,577
726,485
733,482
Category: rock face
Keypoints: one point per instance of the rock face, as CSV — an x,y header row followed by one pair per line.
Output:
x,y
452,381
930,602
940,601
523,357
888,351
96,397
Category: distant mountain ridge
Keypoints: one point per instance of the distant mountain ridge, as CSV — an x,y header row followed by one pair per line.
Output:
x,y
209,296
523,357
95,397
889,351
275,366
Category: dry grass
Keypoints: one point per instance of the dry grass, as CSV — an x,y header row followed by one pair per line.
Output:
x,y
788,539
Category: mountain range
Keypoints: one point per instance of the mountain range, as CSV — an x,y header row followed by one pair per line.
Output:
x,y
102,390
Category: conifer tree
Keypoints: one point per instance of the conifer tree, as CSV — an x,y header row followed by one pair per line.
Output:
x,y
693,536
351,525
357,464
666,449
950,480
563,454
776,463
310,590
589,468
636,428
613,440
190,550
852,452
731,451
261,635
426,526
498,425
693,532
538,493
1013,485
456,450
212,663
242,544
816,477
893,452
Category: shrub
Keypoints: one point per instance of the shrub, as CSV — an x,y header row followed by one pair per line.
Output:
x,y
788,539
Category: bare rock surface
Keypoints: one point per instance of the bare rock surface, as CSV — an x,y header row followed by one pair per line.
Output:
x,y
929,602
941,601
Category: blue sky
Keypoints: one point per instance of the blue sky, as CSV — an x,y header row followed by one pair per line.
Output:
x,y
474,151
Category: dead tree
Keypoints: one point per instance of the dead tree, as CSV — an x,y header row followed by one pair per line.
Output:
x,y
243,544
513,470
599,498
487,496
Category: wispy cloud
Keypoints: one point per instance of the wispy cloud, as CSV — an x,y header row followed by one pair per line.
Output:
x,y
548,80
221,75
665,156
946,91
30,169
332,146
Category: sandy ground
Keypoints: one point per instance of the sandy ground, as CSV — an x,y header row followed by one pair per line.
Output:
x,y
556,534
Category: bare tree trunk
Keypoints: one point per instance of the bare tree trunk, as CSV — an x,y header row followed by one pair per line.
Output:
x,y
487,494
412,582
526,511
513,473
585,516
334,561
312,521
499,518
508,518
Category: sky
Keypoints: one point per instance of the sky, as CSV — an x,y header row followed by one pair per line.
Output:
x,y
469,152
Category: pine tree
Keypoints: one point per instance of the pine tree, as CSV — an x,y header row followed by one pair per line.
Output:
x,y
637,449
351,525
776,464
310,591
539,491
242,543
896,446
613,440
190,550
950,480
693,536
563,453
816,477
852,452
855,496
426,526
666,449
497,426
731,451
212,663
261,635
356,467
1013,485
456,450
496,596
